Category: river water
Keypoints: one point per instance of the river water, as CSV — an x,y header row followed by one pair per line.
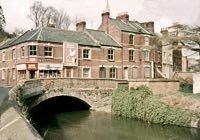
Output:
x,y
90,125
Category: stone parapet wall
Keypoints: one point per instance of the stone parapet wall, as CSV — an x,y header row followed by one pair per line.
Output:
x,y
196,83
158,86
184,75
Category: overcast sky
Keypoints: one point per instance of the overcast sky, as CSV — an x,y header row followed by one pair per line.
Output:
x,y
162,12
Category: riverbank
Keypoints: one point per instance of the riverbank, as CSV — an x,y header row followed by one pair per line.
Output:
x,y
141,104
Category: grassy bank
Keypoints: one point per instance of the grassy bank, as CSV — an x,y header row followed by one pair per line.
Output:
x,y
141,104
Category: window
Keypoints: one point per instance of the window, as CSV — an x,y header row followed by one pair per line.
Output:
x,y
146,55
131,39
32,50
146,72
14,53
110,54
22,52
3,74
86,53
112,72
48,51
134,72
131,55
146,40
4,56
102,72
13,74
86,72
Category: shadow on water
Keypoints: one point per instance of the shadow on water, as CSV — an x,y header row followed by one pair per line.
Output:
x,y
57,119
44,115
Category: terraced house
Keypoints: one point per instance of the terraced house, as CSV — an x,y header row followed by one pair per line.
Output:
x,y
119,49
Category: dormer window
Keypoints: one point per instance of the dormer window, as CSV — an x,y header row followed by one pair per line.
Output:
x,y
131,39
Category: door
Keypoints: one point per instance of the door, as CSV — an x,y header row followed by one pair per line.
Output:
x,y
125,72
32,74
68,72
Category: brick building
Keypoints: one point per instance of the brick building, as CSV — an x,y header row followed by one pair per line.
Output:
x,y
119,49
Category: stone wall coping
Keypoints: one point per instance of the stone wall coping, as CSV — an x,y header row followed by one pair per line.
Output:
x,y
152,80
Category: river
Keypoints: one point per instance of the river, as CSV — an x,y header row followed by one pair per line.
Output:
x,y
90,125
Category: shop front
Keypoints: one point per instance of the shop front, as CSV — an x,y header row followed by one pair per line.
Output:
x,y
32,70
50,70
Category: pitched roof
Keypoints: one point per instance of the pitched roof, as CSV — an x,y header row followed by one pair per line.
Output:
x,y
103,38
6,43
53,35
130,26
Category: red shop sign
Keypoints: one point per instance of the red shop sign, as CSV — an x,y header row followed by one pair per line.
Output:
x,y
32,66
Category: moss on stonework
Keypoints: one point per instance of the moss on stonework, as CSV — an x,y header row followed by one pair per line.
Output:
x,y
141,104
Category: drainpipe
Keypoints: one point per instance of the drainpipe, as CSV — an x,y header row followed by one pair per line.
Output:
x,y
152,69
122,56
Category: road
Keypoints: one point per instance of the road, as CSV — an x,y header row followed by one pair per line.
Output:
x,y
3,93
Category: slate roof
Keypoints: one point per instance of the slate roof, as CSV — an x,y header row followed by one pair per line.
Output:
x,y
53,35
130,26
103,38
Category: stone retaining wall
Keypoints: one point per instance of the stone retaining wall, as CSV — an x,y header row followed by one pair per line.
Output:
x,y
158,86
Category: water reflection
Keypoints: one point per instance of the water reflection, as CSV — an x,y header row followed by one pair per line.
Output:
x,y
85,125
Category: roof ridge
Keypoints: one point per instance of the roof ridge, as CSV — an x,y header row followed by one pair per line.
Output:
x,y
40,30
95,40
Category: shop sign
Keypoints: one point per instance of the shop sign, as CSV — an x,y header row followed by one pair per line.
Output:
x,y
21,67
70,54
50,66
32,66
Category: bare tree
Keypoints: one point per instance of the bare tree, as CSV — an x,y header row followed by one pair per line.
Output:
x,y
37,11
180,36
62,20
2,19
44,16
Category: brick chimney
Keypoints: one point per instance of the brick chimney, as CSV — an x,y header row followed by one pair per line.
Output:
x,y
148,25
123,16
164,32
80,26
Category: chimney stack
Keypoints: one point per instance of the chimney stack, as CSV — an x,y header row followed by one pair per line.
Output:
x,y
123,16
164,32
148,25
80,26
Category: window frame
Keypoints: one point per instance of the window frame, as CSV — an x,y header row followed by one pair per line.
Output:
x,y
3,55
29,50
14,54
113,72
48,51
149,72
22,52
146,40
3,74
88,74
131,55
88,54
111,54
102,72
146,55
134,76
131,39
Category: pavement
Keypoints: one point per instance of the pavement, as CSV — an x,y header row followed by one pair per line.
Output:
x,y
4,93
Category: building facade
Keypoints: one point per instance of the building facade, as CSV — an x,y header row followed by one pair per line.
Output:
x,y
119,49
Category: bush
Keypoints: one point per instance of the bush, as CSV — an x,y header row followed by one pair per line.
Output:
x,y
141,104
185,86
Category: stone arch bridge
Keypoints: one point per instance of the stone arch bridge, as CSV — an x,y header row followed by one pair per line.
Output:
x,y
96,93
